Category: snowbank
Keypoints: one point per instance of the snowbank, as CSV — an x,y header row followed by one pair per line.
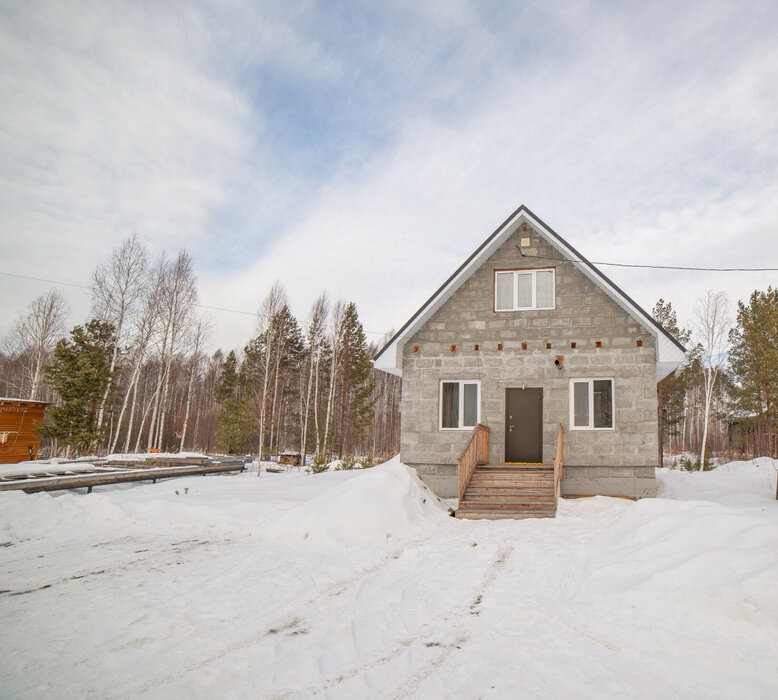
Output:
x,y
375,504
747,484
24,516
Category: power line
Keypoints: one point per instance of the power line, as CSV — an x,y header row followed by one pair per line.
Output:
x,y
232,311
654,267
42,279
690,269
199,306
681,268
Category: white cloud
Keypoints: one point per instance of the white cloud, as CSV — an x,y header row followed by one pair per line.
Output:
x,y
637,139
628,167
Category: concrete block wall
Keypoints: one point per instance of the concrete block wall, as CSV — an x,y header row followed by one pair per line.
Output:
x,y
613,462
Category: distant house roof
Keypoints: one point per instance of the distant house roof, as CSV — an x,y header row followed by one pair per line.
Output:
x,y
670,353
7,399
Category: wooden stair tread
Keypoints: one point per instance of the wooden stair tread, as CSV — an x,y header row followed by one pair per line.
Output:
x,y
495,488
512,484
529,491
528,500
515,467
516,491
516,480
518,472
517,504
527,473
502,515
495,479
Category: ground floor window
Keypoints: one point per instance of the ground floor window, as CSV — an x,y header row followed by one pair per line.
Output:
x,y
591,404
460,405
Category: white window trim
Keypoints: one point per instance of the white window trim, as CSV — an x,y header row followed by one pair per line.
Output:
x,y
533,273
590,381
461,383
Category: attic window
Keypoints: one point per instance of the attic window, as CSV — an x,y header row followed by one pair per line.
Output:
x,y
522,290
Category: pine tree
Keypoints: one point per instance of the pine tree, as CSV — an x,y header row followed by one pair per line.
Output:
x,y
356,408
672,389
234,413
80,374
753,359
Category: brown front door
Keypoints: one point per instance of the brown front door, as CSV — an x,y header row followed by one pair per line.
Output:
x,y
524,425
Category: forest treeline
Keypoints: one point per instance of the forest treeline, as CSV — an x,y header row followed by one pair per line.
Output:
x,y
137,376
724,397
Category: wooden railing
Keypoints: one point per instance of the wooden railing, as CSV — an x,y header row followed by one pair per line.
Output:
x,y
476,452
558,465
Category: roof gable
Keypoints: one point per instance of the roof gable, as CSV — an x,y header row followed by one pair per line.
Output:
x,y
670,352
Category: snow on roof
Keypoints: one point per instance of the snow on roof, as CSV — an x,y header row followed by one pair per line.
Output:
x,y
10,399
669,352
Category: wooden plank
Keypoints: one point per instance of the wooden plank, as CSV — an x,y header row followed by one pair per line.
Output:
x,y
536,491
594,495
510,505
95,479
517,478
504,515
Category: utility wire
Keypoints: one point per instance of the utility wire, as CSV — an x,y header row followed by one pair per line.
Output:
x,y
199,306
41,279
653,267
535,257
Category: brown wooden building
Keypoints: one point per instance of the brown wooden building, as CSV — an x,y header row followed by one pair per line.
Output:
x,y
18,420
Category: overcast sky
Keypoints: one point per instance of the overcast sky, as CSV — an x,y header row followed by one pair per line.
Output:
x,y
368,148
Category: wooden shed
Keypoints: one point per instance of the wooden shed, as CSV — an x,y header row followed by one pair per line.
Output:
x,y
18,439
291,459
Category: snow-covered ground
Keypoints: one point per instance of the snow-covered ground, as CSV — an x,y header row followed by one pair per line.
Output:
x,y
352,584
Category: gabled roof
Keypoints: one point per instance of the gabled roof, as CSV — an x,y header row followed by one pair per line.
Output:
x,y
670,353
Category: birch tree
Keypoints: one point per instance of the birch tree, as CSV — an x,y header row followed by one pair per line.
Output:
x,y
279,325
273,303
177,296
337,318
34,335
117,288
200,335
145,325
317,321
712,326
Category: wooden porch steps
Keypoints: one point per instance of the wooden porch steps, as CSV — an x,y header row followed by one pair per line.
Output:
x,y
509,491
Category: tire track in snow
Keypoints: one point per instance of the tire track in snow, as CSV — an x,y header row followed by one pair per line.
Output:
x,y
293,622
426,631
130,564
411,684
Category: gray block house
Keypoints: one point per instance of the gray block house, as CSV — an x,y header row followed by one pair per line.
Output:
x,y
529,375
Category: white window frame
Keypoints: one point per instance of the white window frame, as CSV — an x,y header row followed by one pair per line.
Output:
x,y
590,381
533,273
461,383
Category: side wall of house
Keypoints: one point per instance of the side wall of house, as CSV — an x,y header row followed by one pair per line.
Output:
x,y
610,462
